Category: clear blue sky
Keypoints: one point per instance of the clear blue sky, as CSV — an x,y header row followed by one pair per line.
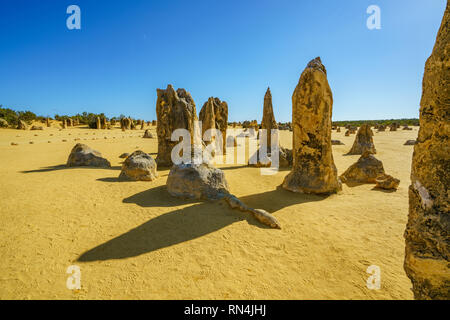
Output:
x,y
229,49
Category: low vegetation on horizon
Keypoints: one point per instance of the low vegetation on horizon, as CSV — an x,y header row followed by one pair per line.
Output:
x,y
85,118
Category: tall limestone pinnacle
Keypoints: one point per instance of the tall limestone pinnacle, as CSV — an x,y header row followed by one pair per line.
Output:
x,y
174,110
313,170
268,121
427,254
214,115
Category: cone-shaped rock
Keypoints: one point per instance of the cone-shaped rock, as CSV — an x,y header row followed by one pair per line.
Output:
x,y
174,110
363,141
207,117
268,121
313,170
427,257
365,170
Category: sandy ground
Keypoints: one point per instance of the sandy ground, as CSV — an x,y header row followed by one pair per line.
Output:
x,y
132,240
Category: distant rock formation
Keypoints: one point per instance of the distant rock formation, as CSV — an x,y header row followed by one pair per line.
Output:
x,y
268,121
139,166
125,123
47,121
83,155
103,123
21,125
98,124
175,110
337,143
363,141
410,143
148,135
314,170
3,123
365,170
207,117
427,257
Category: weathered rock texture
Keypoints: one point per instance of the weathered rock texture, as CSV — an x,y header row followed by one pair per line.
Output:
x,y
139,166
174,110
203,182
363,141
200,182
214,115
82,155
313,170
365,170
427,258
387,182
125,123
3,123
268,121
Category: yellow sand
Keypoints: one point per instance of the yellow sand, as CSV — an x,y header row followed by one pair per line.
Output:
x,y
137,242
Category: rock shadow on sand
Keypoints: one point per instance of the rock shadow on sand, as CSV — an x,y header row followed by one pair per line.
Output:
x,y
168,229
184,224
64,167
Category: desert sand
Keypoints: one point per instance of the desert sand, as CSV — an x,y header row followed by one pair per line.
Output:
x,y
132,240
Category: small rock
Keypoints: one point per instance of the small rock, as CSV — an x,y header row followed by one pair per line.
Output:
x,y
387,182
139,166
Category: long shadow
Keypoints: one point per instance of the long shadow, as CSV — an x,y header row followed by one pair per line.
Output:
x,y
182,225
169,229
64,167
278,199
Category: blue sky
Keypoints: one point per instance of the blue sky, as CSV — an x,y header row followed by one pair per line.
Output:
x,y
229,49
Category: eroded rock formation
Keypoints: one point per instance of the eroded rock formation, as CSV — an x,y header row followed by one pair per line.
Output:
x,y
365,170
21,125
363,141
313,170
427,257
214,115
387,182
268,121
203,182
139,166
83,155
174,110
